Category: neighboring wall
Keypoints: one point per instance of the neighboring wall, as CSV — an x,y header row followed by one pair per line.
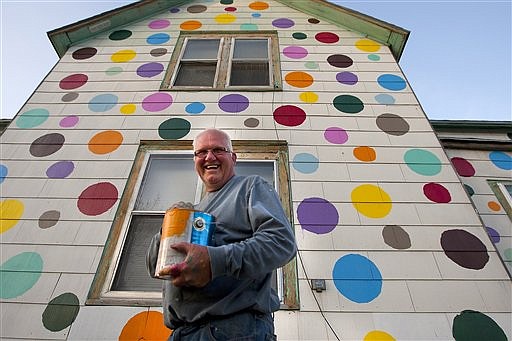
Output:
x,y
401,247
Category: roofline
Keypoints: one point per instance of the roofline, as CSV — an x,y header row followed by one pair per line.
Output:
x,y
471,125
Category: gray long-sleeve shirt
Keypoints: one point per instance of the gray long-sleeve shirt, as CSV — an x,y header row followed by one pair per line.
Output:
x,y
252,238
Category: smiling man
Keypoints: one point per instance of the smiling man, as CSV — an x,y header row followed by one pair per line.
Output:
x,y
223,291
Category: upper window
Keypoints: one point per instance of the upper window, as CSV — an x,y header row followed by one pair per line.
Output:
x,y
503,191
224,61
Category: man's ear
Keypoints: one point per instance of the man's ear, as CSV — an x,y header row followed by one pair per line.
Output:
x,y
233,156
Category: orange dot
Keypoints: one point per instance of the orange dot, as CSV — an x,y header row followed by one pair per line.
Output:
x,y
258,5
147,325
105,142
299,79
364,153
494,206
190,25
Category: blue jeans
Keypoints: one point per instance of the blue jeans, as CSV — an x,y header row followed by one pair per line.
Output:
x,y
246,326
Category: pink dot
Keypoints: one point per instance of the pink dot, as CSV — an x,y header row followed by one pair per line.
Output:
x,y
327,37
289,115
295,52
157,102
463,167
158,24
73,81
336,135
437,193
69,121
97,199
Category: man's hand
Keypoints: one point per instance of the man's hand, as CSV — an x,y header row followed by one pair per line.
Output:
x,y
194,271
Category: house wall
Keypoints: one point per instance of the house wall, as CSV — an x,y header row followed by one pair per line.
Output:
x,y
364,163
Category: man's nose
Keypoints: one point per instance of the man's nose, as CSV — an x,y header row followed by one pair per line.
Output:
x,y
210,155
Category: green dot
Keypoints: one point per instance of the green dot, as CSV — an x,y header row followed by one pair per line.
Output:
x,y
374,57
61,312
422,161
32,118
174,129
120,35
473,325
311,65
248,27
114,70
348,104
19,274
299,35
507,255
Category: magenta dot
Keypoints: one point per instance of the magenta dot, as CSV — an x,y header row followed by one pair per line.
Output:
x,y
97,199
60,170
157,102
283,23
69,121
327,37
73,81
437,193
347,78
336,135
150,69
317,215
289,115
463,167
295,52
234,103
159,24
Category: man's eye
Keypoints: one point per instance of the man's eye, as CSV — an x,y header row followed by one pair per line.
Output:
x,y
218,150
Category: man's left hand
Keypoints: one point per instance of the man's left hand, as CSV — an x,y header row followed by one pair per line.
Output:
x,y
195,270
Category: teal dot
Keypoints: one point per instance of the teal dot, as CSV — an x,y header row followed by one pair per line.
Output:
x,y
422,161
249,27
507,255
374,57
174,129
311,65
299,35
305,163
3,173
32,118
391,82
103,102
195,108
19,274
501,160
114,70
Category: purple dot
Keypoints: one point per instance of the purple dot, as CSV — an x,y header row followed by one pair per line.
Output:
x,y
174,10
336,135
69,121
347,78
317,215
60,170
158,24
493,234
295,52
283,23
234,103
150,69
157,102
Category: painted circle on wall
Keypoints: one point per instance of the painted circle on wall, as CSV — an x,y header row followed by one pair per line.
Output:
x,y
299,35
61,312
149,70
464,249
157,102
196,9
190,25
493,234
174,129
123,56
367,45
391,82
60,169
225,18
305,163
233,103
3,172
69,121
283,23
158,38
308,97
159,24
463,167
348,104
365,153
340,60
251,122
11,211
392,124
378,335
105,142
437,193
73,81
120,35
396,237
371,201
258,5
299,79
84,53
501,160
295,52
70,97
47,144
422,161
32,118
347,78
317,215
386,99
195,108
327,37
336,135
474,325
48,219
158,52
102,102
97,198
19,274
146,325
289,115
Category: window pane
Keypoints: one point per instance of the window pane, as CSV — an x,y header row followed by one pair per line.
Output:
x,y
249,74
263,169
131,274
168,179
196,74
509,189
201,49
250,49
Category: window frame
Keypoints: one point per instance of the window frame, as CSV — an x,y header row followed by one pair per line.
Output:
x,y
502,194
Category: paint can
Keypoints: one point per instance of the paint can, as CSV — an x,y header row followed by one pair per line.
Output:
x,y
182,225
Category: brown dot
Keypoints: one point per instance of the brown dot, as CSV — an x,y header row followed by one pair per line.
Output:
x,y
396,237
49,219
251,122
392,124
313,21
84,53
47,144
465,249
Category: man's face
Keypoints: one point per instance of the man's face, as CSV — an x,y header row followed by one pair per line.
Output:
x,y
215,169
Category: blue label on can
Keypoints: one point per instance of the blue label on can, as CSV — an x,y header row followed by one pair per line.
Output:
x,y
202,228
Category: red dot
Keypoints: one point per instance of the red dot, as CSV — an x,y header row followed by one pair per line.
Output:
x,y
436,193
463,167
97,199
327,37
73,81
289,115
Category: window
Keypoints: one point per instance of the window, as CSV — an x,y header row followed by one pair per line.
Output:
x,y
503,191
207,61
164,173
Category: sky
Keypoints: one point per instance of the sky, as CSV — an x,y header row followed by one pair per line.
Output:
x,y
457,59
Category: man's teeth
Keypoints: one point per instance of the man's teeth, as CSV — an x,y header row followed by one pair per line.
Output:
x,y
212,167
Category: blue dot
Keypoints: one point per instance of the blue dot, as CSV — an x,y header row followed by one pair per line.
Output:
x,y
3,173
256,15
158,38
385,99
501,160
391,82
357,278
103,102
195,108
305,163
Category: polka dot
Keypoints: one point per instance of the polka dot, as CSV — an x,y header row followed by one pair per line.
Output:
x,y
396,237
158,52
295,52
190,25
313,21
120,35
385,99
258,5
123,56
73,81
114,70
230,9
357,278
299,35
464,249
392,124
159,24
367,45
437,193
299,79
494,206
102,102
158,38
507,255
48,219
317,215
251,122
391,82
149,70
146,325
340,60
128,109
347,78
69,97
365,153
196,9
11,211
47,145
157,102
348,104
283,23
233,103
97,198
105,142
474,325
69,121
493,234
327,37
19,274
463,166
195,108
32,118
84,53
308,97
371,201
249,27
378,335
501,160
305,163
336,135
61,312
174,10
469,190
60,170
3,173
311,65
174,129
225,18
256,15
422,161
373,57
289,115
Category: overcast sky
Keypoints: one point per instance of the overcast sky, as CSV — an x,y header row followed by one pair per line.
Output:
x,y
457,59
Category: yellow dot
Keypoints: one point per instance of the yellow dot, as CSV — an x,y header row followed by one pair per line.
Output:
x,y
128,109
308,97
225,18
371,201
123,56
367,45
10,213
378,335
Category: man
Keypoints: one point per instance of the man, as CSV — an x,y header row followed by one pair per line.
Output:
x,y
223,292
